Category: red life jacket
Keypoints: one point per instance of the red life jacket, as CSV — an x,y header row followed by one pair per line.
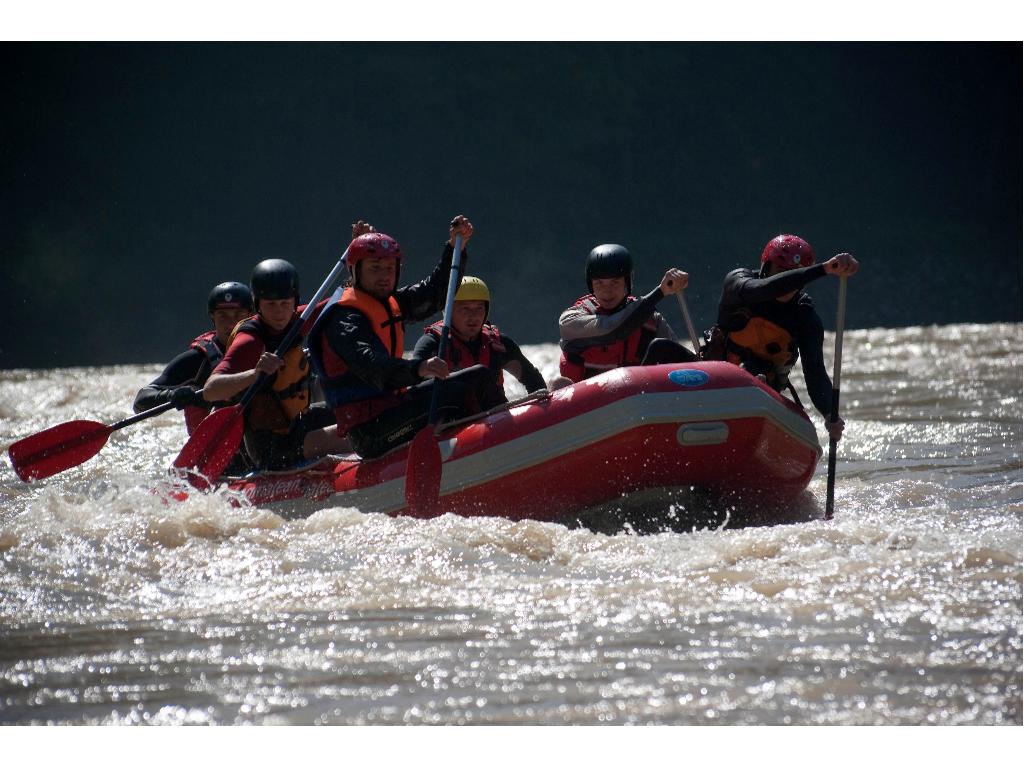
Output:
x,y
354,400
596,359
458,355
207,344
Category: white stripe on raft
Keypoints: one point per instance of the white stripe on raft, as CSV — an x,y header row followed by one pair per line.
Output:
x,y
620,416
603,423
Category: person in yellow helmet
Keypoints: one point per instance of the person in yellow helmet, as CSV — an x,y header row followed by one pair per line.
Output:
x,y
381,399
474,341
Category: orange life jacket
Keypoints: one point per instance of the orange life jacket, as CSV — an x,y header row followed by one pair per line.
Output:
x,y
764,347
354,400
287,393
385,321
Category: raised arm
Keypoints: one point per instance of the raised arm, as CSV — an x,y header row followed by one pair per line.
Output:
x,y
426,298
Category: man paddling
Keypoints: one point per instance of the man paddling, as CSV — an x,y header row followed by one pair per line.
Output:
x,y
356,347
181,382
474,341
281,426
766,322
609,328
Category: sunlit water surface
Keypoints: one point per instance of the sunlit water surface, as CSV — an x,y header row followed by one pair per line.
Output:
x,y
117,607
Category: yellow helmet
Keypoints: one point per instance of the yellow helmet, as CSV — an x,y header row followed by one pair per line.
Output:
x,y
473,289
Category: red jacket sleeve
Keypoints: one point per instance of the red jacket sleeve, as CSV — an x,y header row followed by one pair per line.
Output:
x,y
242,355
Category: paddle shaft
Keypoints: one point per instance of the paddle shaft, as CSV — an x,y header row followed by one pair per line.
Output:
x,y
141,416
689,324
286,342
449,305
830,491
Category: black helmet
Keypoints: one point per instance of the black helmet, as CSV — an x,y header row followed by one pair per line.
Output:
x,y
609,260
230,296
274,279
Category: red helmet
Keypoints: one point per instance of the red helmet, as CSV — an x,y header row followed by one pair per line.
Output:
x,y
372,245
788,252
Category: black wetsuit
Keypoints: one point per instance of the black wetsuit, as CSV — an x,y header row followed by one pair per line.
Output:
x,y
368,408
746,295
348,333
190,367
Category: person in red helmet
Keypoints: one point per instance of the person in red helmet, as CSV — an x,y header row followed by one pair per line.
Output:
x,y
766,322
182,380
380,400
609,328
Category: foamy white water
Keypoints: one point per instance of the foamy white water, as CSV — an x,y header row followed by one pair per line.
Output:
x,y
117,607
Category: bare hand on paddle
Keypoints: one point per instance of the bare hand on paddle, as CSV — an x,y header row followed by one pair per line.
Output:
x,y
460,225
674,281
269,364
835,429
433,368
361,228
842,265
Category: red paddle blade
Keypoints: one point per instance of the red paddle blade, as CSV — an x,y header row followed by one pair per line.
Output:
x,y
423,474
58,448
214,443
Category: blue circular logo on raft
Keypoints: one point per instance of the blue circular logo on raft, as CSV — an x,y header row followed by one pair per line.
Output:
x,y
687,377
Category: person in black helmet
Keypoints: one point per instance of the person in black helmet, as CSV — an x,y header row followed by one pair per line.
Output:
x,y
609,328
281,426
182,380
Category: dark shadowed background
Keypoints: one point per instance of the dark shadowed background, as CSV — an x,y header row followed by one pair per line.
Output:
x,y
135,176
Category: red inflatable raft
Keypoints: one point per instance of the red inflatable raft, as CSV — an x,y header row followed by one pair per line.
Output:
x,y
708,426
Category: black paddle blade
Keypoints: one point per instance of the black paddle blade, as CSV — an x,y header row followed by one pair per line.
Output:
x,y
58,448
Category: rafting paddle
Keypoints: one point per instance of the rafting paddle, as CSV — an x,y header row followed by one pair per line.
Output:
x,y
423,467
689,324
215,441
67,445
830,492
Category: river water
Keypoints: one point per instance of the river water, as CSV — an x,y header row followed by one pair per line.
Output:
x,y
117,607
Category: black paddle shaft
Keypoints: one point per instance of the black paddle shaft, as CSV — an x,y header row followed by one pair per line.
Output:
x,y
830,490
435,395
141,416
830,496
442,348
257,385
289,337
